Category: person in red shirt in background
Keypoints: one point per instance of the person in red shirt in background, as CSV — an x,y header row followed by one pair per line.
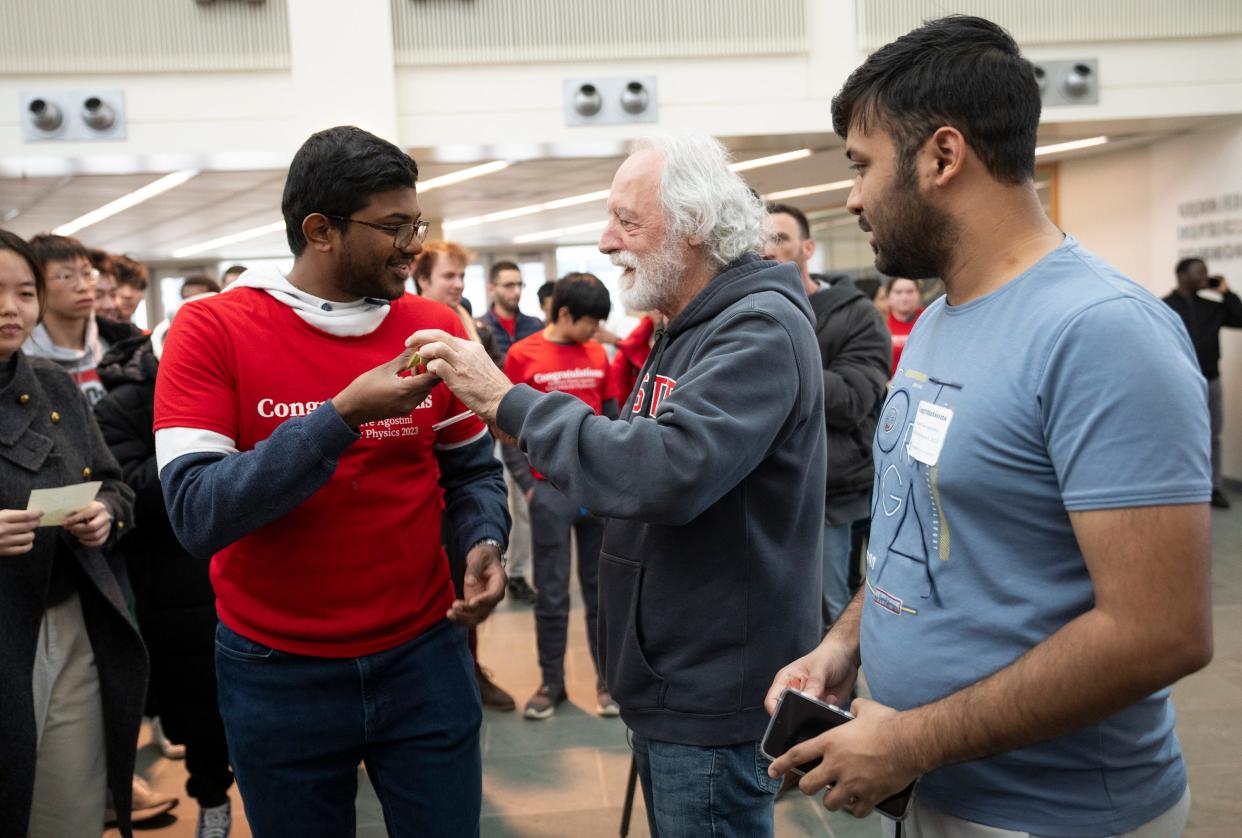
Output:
x,y
439,274
299,456
632,352
563,357
905,304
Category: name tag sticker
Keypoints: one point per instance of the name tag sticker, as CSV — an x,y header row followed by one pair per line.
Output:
x,y
931,426
887,601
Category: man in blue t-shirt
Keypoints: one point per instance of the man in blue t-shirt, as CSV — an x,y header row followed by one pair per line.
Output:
x,y
1038,570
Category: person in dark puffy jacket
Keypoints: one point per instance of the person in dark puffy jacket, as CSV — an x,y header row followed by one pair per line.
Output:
x,y
175,603
854,348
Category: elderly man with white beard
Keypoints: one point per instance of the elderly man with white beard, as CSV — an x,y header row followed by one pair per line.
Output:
x,y
712,478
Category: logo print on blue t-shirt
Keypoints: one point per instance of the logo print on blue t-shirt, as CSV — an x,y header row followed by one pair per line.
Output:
x,y
894,420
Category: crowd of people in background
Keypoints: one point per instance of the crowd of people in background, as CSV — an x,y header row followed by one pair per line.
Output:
x,y
773,379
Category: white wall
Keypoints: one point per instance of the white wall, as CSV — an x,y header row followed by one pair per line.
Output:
x,y
1105,201
488,104
1127,207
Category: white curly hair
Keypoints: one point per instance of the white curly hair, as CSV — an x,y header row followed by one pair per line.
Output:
x,y
703,199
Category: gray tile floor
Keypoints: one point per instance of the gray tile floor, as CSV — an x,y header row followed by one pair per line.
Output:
x,y
566,776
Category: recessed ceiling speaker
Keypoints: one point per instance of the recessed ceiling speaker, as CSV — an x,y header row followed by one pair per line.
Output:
x,y
98,114
1077,81
587,101
54,116
1041,79
634,98
1069,82
45,115
610,101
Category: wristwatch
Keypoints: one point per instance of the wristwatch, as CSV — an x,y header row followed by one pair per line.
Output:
x,y
504,560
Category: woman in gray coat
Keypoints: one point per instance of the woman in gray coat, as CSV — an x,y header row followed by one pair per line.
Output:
x,y
73,669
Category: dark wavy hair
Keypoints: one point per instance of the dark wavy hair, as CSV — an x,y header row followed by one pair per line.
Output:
x,y
959,71
336,172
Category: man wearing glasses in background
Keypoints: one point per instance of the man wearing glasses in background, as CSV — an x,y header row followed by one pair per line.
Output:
x,y
508,324
69,332
316,492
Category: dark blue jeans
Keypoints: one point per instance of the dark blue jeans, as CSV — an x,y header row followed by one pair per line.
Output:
x,y
705,792
298,727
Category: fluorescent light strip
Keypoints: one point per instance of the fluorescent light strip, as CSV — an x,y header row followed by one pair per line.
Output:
x,y
808,190
772,160
224,241
1073,145
463,174
125,202
530,209
560,231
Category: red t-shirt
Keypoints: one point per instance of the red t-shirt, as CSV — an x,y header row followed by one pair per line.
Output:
x,y
580,369
900,331
631,355
509,324
358,567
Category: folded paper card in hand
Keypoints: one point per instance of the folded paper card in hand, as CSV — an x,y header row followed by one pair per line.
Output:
x,y
57,504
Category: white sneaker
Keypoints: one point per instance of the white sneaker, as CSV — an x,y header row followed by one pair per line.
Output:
x,y
215,822
167,748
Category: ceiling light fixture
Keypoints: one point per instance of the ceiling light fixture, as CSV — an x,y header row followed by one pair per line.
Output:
x,y
785,194
224,241
125,202
1072,145
560,231
771,160
463,174
530,209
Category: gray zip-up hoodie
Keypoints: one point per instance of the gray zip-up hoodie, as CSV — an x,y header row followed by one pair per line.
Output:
x,y
714,479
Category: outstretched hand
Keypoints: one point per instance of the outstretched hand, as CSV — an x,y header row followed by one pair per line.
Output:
x,y
468,371
466,368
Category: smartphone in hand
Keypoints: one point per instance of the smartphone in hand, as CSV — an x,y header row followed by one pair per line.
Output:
x,y
800,717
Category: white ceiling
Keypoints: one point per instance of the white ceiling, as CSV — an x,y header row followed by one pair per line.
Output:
x,y
218,203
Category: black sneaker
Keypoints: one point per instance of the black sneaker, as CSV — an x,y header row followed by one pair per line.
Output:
x,y
215,822
521,591
1219,500
543,703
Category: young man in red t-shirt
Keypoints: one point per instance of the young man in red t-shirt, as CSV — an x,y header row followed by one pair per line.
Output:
x,y
563,357
297,454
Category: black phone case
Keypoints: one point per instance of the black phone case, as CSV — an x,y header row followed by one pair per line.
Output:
x,y
785,731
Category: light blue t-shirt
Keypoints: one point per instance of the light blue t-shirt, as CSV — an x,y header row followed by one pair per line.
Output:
x,y
1070,388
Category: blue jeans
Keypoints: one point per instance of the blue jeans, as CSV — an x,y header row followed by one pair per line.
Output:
x,y
836,570
705,792
299,726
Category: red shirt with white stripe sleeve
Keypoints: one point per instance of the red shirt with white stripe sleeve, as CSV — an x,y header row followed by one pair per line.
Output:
x,y
358,567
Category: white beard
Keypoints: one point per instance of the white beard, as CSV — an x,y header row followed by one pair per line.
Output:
x,y
653,281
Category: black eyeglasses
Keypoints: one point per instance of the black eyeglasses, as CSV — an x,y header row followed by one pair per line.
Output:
x,y
402,234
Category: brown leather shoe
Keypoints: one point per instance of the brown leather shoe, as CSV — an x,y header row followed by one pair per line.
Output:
x,y
148,803
492,695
